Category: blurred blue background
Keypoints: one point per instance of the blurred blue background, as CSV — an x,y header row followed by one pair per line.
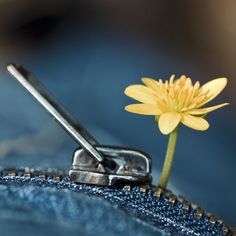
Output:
x,y
87,52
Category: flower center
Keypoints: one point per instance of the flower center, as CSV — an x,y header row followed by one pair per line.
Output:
x,y
179,95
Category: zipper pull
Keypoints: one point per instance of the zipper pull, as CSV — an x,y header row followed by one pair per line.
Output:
x,y
133,167
93,163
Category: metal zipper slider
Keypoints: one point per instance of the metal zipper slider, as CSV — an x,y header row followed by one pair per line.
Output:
x,y
93,163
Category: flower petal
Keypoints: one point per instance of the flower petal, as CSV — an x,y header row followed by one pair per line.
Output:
x,y
151,83
212,88
141,93
206,110
168,122
144,109
194,122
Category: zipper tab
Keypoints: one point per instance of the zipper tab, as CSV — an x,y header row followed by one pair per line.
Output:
x,y
132,167
93,163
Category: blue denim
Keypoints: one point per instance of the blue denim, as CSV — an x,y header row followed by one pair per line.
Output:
x,y
31,210
87,72
71,208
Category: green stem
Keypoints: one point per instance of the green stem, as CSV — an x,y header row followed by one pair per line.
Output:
x,y
168,159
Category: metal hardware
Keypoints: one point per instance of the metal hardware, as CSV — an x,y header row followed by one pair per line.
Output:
x,y
172,198
60,179
157,192
93,163
132,166
199,212
77,132
144,188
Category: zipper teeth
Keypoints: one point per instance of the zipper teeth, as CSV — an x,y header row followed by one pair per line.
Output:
x,y
186,205
30,173
157,191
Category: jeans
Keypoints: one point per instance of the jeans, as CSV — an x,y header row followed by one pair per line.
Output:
x,y
87,75
47,202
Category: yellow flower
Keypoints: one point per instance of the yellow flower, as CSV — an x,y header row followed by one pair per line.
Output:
x,y
175,101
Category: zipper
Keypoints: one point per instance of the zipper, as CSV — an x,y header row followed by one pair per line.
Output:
x,y
61,180
120,175
92,163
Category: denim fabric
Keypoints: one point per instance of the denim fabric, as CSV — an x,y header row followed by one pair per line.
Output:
x,y
87,72
47,211
75,205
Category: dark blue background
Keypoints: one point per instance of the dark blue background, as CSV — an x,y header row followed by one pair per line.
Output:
x,y
87,69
